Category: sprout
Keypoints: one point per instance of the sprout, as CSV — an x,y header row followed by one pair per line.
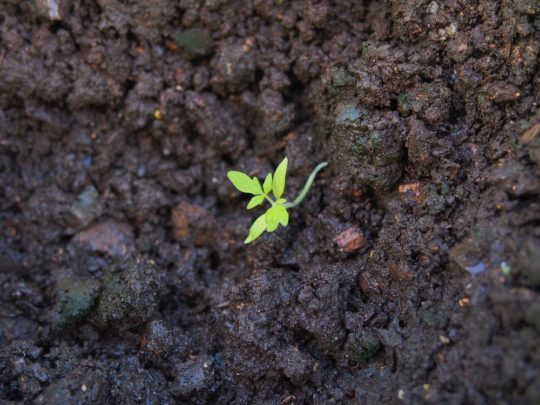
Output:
x,y
277,214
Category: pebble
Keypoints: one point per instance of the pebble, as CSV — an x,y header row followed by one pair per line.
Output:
x,y
193,223
350,240
54,10
111,237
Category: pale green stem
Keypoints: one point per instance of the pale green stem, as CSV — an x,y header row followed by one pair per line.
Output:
x,y
269,199
307,186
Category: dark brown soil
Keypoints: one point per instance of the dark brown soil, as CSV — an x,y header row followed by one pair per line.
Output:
x,y
410,274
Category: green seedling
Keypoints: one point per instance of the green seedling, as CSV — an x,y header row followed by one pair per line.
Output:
x,y
277,214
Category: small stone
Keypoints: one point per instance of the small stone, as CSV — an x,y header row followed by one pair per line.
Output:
x,y
458,48
350,240
111,237
193,222
433,8
87,207
444,340
412,190
54,10
530,134
248,44
401,395
463,302
288,400
467,256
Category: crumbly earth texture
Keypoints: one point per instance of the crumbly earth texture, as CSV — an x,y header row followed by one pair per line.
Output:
x,y
411,272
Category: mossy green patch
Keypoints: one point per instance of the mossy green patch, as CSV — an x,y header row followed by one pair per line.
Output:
x,y
362,346
76,299
195,41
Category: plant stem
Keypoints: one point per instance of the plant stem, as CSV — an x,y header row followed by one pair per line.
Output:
x,y
269,199
307,186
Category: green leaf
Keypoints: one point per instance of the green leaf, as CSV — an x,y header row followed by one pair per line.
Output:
x,y
256,230
271,219
281,201
276,215
257,184
267,185
278,183
257,200
283,215
244,183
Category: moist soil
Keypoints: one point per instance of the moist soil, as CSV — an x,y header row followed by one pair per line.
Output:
x,y
411,272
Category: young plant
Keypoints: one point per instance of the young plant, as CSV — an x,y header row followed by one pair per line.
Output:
x,y
277,214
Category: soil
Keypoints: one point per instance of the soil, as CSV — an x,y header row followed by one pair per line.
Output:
x,y
411,272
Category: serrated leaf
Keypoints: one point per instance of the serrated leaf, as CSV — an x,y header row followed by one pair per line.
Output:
x,y
276,215
257,228
257,200
278,182
267,185
244,183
